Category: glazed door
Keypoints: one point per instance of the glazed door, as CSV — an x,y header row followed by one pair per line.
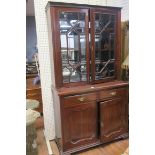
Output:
x,y
71,46
79,125
105,45
112,118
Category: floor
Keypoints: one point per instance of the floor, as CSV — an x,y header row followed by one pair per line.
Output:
x,y
115,148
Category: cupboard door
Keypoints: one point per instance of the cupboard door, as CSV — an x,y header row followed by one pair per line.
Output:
x,y
79,125
105,46
112,118
72,50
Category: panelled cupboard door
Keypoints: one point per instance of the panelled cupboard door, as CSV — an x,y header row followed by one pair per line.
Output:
x,y
79,125
112,118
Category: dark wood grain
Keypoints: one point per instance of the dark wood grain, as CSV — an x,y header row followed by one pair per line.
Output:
x,y
91,88
77,5
112,93
56,46
55,27
91,112
80,125
55,41
117,49
79,99
112,118
118,45
74,115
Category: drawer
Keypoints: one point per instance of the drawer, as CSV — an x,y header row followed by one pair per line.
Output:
x,y
112,93
78,99
33,95
33,91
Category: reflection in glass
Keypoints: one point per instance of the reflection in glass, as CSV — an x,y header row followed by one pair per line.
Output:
x,y
104,45
73,46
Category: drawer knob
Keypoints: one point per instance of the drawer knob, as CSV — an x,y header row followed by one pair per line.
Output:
x,y
81,99
113,93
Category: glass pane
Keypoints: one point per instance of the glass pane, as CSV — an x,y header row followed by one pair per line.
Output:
x,y
83,47
104,45
73,40
73,46
63,41
73,57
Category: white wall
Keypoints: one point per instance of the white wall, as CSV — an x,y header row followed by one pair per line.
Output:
x,y
44,58
121,3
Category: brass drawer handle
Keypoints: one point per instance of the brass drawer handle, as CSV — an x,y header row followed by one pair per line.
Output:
x,y
81,99
113,93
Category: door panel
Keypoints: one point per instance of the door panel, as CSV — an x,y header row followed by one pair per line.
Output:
x,y
104,45
80,125
72,45
113,120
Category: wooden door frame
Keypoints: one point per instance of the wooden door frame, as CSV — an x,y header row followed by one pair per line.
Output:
x,y
57,44
117,43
